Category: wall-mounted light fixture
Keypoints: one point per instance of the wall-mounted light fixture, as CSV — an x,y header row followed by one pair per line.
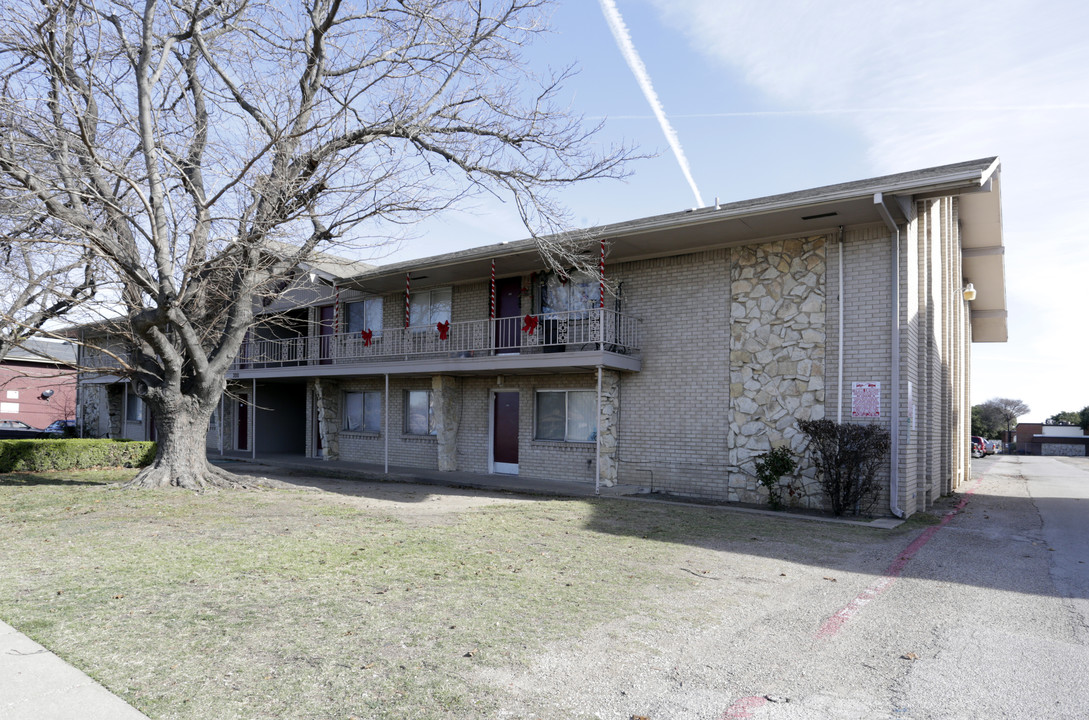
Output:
x,y
969,292
46,394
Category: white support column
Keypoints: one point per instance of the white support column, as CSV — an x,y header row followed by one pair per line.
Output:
x,y
253,421
385,427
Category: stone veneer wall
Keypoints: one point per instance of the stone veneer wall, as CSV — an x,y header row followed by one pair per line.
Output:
x,y
608,426
777,346
327,399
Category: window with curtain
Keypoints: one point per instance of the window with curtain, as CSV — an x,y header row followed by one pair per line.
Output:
x,y
419,413
365,315
566,415
427,308
362,412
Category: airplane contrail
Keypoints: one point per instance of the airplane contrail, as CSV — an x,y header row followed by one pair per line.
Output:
x,y
627,49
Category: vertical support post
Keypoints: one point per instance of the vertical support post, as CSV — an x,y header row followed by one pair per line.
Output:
x,y
597,438
219,425
385,427
601,276
408,294
253,420
491,311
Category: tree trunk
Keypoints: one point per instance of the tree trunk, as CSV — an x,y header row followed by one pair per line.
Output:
x,y
181,457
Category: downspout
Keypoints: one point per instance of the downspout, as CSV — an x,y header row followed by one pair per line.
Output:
x,y
839,346
894,418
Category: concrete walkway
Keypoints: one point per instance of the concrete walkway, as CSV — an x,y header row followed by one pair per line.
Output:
x,y
35,684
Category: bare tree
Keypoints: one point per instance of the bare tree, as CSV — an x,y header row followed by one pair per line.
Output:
x,y
1008,410
187,141
40,280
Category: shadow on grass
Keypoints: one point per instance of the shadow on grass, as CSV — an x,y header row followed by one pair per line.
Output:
x,y
26,479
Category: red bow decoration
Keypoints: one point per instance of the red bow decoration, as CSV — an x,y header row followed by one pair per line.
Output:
x,y
530,324
367,335
444,328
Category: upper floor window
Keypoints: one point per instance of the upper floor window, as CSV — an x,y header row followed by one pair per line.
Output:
x,y
427,308
577,293
365,315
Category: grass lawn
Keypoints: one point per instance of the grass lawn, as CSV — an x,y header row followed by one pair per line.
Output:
x,y
379,601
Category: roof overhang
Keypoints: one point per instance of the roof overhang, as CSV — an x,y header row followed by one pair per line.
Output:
x,y
804,213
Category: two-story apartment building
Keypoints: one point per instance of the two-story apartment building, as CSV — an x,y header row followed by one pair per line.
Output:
x,y
699,342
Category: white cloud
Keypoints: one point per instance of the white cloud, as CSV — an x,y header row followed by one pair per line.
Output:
x,y
934,81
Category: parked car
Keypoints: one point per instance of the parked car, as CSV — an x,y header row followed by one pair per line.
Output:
x,y
979,448
19,430
61,428
990,446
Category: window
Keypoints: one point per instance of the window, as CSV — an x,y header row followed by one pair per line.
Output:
x,y
578,293
134,407
427,308
567,415
365,315
419,413
362,412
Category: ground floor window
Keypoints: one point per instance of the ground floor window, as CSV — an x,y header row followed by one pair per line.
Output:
x,y
567,415
419,413
134,407
362,412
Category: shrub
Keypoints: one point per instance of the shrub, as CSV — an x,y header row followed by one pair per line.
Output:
x,y
770,467
38,455
847,457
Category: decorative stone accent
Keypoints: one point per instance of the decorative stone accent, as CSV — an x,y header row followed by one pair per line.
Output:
x,y
446,396
608,425
115,397
327,402
92,397
1062,449
777,345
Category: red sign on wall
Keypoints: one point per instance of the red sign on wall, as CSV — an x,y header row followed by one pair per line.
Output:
x,y
866,399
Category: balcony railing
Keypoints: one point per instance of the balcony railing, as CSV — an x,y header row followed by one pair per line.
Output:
x,y
543,333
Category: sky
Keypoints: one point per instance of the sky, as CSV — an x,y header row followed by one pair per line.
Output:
x,y
739,100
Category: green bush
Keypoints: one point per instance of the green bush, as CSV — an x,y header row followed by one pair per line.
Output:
x,y
770,467
38,455
848,458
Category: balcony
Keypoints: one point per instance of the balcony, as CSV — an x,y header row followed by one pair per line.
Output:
x,y
548,342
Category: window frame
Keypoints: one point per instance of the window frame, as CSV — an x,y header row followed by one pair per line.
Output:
x,y
130,397
368,304
433,320
432,431
363,428
592,435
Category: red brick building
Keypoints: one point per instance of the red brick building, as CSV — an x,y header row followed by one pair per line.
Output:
x,y
1041,439
38,383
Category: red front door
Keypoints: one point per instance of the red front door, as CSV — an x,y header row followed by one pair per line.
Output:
x,y
508,315
505,433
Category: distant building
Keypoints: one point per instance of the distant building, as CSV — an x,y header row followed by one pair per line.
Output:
x,y
38,383
1041,439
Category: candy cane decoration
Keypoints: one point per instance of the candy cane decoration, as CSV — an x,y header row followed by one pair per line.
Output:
x,y
491,313
601,275
336,308
408,293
